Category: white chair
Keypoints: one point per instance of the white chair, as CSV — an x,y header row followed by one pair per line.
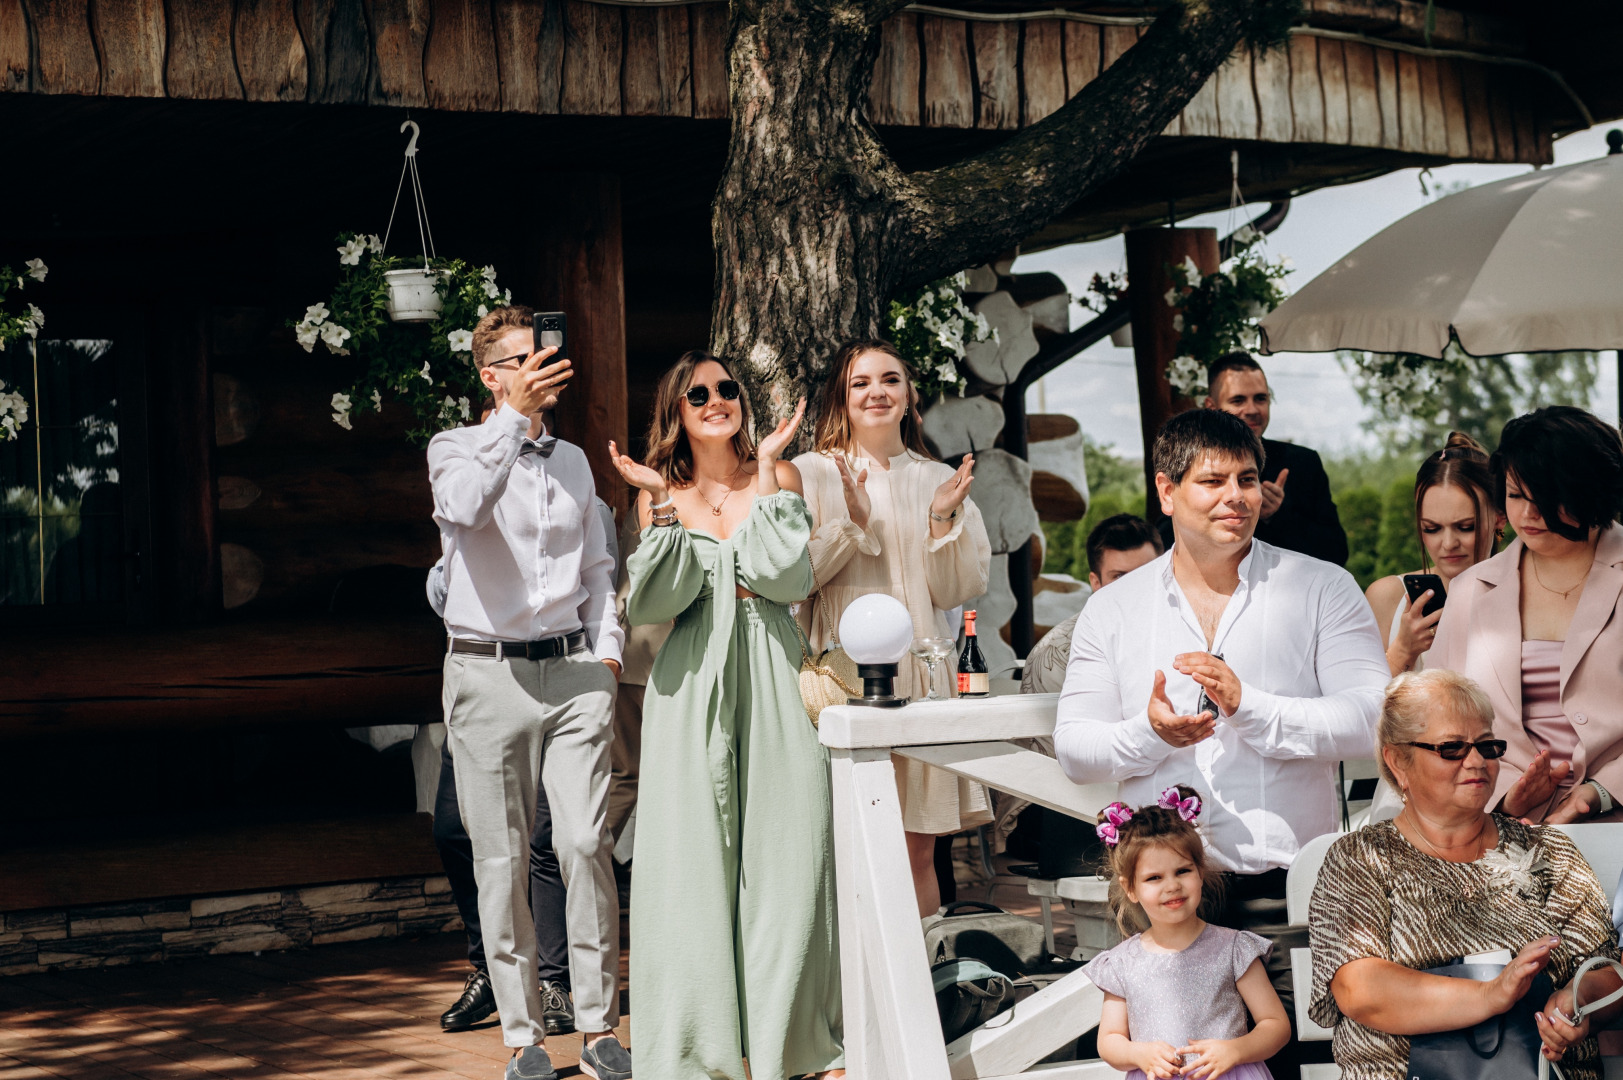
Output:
x,y
1601,845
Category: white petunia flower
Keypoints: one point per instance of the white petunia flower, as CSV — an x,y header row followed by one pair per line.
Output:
x,y
465,406
343,421
491,290
1172,296
1177,323
425,373
901,321
37,269
507,297
488,273
374,243
946,372
316,313
1191,270
307,336
377,400
481,311
351,251
460,341
1245,235
35,320
333,336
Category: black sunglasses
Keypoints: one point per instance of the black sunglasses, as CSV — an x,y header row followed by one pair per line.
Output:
x,y
699,396
1456,750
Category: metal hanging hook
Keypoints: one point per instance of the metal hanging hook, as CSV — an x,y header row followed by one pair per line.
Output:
x,y
411,147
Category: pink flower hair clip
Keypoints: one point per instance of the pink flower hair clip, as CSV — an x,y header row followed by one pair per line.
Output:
x,y
1116,815
1188,809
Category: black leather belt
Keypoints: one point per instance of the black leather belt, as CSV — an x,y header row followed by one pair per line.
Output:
x,y
522,650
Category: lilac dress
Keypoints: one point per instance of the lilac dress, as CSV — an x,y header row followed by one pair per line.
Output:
x,y
1181,996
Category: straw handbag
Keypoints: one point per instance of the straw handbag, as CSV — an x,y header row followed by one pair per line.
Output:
x,y
831,677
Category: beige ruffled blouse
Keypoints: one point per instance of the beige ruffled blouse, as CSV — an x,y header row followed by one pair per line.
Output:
x,y
896,554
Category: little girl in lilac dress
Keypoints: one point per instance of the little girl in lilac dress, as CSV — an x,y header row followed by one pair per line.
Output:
x,y
1178,995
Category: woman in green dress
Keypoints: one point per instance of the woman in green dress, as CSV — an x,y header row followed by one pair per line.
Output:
x,y
734,947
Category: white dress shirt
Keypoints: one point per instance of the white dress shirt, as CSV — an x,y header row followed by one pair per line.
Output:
x,y
526,557
1301,639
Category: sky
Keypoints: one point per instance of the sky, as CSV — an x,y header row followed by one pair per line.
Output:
x,y
1314,401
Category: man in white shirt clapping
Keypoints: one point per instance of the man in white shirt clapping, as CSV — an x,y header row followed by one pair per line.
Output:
x,y
1241,669
529,686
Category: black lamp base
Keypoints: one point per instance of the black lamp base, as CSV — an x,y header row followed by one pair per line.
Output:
x,y
877,686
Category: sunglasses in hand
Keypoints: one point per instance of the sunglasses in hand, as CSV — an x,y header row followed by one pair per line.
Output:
x,y
699,396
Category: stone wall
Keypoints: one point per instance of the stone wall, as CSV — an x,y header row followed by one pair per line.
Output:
x,y
146,931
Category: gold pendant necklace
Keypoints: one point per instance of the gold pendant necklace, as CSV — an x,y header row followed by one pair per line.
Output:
x,y
1538,578
1476,840
715,508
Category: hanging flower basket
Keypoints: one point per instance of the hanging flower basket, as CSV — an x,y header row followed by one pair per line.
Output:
x,y
380,313
413,295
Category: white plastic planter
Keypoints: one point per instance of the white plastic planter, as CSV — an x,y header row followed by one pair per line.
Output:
x,y
1122,336
413,296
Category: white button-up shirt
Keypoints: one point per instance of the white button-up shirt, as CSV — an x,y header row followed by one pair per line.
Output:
x,y
1301,639
526,556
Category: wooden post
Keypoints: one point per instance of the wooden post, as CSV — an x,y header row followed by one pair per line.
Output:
x,y
1149,253
573,261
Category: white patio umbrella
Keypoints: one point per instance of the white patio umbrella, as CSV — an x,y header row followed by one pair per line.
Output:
x,y
1529,264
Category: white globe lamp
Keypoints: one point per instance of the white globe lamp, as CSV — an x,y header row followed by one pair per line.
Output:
x,y
876,631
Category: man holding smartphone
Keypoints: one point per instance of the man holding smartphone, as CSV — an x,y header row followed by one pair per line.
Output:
x,y
530,677
1239,668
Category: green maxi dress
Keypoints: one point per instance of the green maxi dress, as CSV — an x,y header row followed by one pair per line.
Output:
x,y
734,946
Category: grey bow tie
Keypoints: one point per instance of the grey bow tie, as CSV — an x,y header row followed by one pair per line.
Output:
x,y
544,447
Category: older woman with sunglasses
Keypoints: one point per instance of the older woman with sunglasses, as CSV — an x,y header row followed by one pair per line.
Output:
x,y
1446,879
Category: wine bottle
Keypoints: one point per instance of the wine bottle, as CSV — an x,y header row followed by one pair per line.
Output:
x,y
972,676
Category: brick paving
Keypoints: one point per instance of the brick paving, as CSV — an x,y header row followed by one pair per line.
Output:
x,y
340,1012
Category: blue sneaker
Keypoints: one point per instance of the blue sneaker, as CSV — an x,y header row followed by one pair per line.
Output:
x,y
531,1063
606,1059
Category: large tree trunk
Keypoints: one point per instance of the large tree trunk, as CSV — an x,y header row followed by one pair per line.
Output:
x,y
803,220
814,225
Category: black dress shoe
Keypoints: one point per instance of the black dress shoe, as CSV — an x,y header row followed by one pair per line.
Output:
x,y
478,1001
557,1013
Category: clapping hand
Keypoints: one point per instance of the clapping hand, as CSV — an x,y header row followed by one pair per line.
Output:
x,y
1215,677
638,476
1273,493
536,388
1534,789
1176,730
954,490
1582,803
855,489
772,447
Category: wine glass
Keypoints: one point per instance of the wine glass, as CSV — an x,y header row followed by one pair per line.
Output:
x,y
933,650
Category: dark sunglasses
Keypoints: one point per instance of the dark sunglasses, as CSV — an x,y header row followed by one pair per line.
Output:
x,y
699,396
1457,751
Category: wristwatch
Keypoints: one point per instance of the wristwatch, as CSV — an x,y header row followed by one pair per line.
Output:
x,y
1606,802
949,519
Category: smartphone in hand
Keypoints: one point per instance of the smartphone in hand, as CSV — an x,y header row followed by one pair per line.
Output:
x,y
1416,584
550,330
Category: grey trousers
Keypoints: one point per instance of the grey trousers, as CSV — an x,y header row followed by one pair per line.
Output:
x,y
506,722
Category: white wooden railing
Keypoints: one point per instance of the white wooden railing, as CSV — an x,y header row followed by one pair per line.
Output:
x,y
891,1028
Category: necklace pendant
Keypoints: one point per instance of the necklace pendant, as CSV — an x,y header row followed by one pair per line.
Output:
x,y
715,511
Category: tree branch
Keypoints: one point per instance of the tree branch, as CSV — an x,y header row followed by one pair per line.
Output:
x,y
962,214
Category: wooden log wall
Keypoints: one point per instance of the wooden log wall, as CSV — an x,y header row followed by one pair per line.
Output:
x,y
935,71
579,58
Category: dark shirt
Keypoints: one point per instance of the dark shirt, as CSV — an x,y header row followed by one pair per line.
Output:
x,y
1307,520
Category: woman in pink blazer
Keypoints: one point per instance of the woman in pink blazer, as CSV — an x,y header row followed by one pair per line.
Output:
x,y
1540,625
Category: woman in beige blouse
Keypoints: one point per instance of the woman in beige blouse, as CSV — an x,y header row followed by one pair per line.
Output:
x,y
1446,879
890,518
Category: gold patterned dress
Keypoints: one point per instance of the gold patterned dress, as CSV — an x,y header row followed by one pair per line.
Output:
x,y
1378,895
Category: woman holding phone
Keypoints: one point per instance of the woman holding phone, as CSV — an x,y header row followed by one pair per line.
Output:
x,y
1458,524
732,904
1540,625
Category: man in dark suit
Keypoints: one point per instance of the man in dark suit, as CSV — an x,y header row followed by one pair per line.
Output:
x,y
1297,510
